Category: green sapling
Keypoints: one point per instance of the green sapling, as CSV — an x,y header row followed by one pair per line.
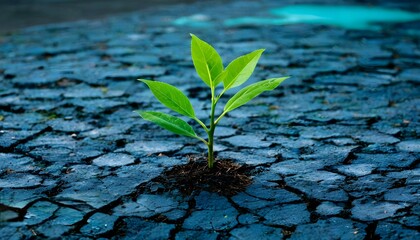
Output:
x,y
209,67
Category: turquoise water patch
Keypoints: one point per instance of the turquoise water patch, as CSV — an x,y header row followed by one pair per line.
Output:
x,y
196,20
349,17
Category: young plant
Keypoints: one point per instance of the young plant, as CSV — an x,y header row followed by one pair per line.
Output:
x,y
209,67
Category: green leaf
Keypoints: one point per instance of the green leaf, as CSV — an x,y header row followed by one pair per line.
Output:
x,y
248,93
169,122
240,69
171,97
207,61
220,77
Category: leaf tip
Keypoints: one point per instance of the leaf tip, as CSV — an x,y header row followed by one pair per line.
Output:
x,y
144,80
138,112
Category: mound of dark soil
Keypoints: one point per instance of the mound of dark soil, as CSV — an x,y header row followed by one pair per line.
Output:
x,y
226,178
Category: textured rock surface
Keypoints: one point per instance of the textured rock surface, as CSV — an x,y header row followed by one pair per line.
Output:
x,y
333,153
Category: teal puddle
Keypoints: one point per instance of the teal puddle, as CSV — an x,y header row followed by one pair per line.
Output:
x,y
196,20
349,17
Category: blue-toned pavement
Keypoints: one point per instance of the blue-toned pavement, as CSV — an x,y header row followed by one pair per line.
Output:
x,y
335,150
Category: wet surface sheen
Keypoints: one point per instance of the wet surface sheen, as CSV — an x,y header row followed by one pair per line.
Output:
x,y
333,152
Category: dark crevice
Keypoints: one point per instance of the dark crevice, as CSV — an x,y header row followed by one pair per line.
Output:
x,y
56,189
180,222
370,232
348,205
311,203
288,231
20,213
13,148
350,157
104,209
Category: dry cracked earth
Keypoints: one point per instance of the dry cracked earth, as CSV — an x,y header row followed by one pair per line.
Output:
x,y
334,152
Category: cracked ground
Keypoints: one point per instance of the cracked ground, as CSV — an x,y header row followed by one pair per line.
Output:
x,y
334,151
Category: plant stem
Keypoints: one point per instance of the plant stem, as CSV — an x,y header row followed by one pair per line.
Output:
x,y
210,160
219,118
202,124
203,140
